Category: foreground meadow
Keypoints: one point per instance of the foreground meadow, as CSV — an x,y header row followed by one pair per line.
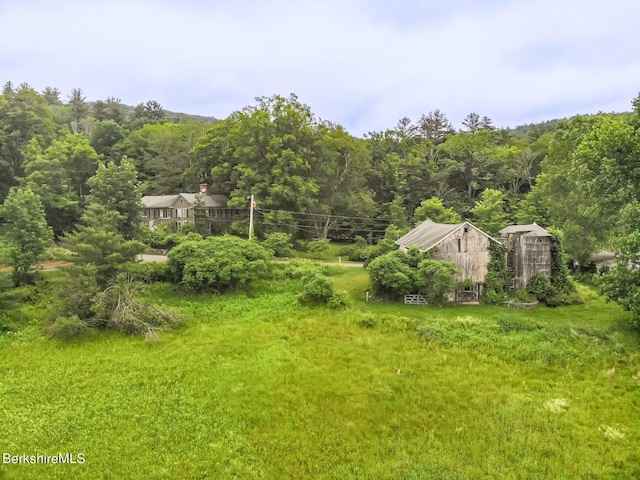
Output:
x,y
259,387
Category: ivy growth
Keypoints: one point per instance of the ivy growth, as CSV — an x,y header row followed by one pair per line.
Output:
x,y
498,275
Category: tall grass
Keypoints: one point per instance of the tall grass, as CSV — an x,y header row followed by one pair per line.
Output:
x,y
260,387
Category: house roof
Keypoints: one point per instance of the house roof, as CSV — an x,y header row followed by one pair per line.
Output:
x,y
531,230
208,200
428,234
158,201
167,201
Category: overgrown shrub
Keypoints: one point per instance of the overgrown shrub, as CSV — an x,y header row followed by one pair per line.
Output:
x,y
340,299
435,279
523,296
391,275
357,252
398,273
316,290
280,243
564,291
540,287
148,272
318,248
498,275
67,328
218,264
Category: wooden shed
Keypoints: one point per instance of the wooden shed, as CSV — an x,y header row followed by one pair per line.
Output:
x,y
528,252
462,244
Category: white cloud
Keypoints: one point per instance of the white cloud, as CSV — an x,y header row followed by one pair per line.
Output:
x,y
514,62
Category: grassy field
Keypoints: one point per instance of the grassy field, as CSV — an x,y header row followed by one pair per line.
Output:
x,y
261,388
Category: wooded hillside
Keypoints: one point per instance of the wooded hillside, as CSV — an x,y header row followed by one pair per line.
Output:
x,y
313,179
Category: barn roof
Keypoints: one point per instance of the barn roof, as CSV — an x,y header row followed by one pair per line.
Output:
x,y
428,234
531,230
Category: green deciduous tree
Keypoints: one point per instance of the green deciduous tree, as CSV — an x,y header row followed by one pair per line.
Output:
x,y
24,115
60,175
26,232
621,284
105,135
489,212
589,175
162,157
433,209
278,151
475,164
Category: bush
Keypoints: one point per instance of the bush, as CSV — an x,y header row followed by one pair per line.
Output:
x,y
340,299
218,264
435,279
67,328
280,243
523,296
148,272
391,276
383,247
318,248
358,251
397,273
540,287
316,290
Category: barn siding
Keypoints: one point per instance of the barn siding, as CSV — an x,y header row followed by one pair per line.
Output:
x,y
527,256
472,257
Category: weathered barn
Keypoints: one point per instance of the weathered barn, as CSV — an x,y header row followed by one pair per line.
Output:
x,y
528,252
462,244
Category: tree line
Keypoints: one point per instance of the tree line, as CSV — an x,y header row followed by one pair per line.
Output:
x,y
310,176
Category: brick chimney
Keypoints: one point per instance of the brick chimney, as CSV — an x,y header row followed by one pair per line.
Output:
x,y
204,189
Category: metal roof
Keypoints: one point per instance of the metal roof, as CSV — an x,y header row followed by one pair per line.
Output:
x,y
531,230
428,234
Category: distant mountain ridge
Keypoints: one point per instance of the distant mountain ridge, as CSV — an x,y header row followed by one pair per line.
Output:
x,y
179,117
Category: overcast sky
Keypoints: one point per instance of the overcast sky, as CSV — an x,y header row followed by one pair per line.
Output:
x,y
361,63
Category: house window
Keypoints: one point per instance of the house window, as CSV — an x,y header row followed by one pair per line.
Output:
x,y
164,213
468,289
466,229
459,245
182,213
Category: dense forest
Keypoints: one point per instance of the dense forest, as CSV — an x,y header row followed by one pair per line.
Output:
x,y
86,164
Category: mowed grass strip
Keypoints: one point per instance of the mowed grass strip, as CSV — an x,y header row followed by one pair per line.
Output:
x,y
260,387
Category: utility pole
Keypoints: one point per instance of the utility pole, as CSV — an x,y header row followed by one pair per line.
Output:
x,y
251,207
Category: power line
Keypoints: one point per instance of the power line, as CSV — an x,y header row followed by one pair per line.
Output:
x,y
261,210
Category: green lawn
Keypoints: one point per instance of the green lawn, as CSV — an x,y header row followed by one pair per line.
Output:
x,y
259,387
